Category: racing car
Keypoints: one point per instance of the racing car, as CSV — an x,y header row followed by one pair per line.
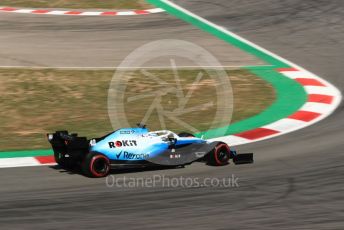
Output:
x,y
139,147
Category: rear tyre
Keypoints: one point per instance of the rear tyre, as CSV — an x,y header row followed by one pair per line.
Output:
x,y
96,165
220,155
184,134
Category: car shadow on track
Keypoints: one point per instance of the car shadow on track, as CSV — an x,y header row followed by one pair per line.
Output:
x,y
77,170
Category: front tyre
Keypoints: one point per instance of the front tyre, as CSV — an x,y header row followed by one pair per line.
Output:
x,y
96,165
220,155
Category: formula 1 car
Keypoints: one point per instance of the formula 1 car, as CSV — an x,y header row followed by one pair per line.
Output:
x,y
138,147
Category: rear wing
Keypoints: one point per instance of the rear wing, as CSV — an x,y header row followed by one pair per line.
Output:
x,y
68,144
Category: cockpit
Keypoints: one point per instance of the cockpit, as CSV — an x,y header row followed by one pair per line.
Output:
x,y
163,134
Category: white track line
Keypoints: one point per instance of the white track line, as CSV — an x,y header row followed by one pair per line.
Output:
x,y
129,67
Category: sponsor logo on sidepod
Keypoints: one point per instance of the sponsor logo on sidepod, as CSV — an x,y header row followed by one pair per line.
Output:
x,y
123,143
132,156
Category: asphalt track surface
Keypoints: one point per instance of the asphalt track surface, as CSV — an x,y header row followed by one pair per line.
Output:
x,y
68,41
296,183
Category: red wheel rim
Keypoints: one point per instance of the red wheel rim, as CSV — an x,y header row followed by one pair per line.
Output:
x,y
220,146
99,165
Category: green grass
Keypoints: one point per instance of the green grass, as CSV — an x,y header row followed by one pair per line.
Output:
x,y
78,4
35,102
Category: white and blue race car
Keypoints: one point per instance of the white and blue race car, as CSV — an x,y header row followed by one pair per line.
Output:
x,y
138,147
